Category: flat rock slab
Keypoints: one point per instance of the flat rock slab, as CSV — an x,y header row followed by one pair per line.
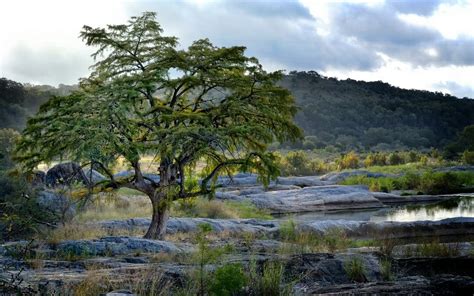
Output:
x,y
112,246
399,230
314,198
192,224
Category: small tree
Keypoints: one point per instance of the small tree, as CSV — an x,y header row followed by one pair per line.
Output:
x,y
206,104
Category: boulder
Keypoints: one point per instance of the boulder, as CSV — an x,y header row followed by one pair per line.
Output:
x,y
315,198
116,245
57,203
305,181
94,176
127,174
65,174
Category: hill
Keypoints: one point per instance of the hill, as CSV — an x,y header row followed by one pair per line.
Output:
x,y
352,114
347,114
19,101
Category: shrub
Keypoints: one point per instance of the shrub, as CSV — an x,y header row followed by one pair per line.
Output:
x,y
440,183
468,157
348,161
21,214
228,280
395,159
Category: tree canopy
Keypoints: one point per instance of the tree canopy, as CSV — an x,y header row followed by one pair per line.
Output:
x,y
207,104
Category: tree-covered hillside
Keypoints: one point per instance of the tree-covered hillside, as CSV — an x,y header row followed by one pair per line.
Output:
x,y
19,101
354,114
348,114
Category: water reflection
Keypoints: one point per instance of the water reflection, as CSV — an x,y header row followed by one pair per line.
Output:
x,y
456,207
459,207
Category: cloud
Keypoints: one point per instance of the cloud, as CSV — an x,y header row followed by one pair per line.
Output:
x,y
283,37
46,65
420,7
457,89
380,28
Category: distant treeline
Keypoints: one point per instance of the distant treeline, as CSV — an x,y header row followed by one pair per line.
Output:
x,y
350,114
19,101
346,114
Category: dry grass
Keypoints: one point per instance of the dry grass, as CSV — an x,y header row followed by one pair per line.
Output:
x,y
77,231
116,207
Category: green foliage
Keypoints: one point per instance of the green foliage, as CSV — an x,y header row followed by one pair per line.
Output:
x,y
468,157
440,183
7,141
348,161
20,214
228,280
428,182
375,159
394,159
386,270
355,269
375,116
464,141
301,163
204,256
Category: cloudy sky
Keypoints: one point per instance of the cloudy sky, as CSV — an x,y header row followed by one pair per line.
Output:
x,y
422,44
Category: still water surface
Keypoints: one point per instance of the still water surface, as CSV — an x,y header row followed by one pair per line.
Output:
x,y
457,207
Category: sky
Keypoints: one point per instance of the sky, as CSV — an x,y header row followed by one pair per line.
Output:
x,y
420,44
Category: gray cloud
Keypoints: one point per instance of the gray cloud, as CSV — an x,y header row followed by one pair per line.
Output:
x,y
49,65
284,36
420,7
380,29
457,89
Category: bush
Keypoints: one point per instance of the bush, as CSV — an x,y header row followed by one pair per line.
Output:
x,y
395,159
348,161
440,183
21,215
228,280
468,157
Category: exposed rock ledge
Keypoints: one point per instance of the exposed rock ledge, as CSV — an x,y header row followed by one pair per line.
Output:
x,y
446,227
308,199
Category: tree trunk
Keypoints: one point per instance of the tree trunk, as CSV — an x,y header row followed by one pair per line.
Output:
x,y
157,229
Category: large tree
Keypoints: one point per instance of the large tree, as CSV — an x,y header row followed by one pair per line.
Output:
x,y
205,104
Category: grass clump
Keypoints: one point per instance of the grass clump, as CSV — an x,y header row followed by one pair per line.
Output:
x,y
386,270
302,241
355,270
433,249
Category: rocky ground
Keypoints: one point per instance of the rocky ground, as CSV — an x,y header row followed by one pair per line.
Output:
x,y
403,258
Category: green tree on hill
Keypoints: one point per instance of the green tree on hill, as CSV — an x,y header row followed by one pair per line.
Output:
x,y
144,96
